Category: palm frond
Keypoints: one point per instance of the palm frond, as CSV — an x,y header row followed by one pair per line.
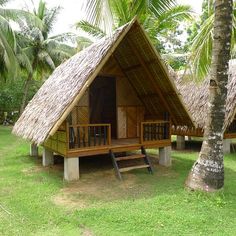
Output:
x,y
8,56
83,42
17,15
202,49
98,12
64,37
45,58
93,30
49,19
8,33
158,7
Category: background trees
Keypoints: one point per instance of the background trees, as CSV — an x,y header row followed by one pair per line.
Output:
x,y
161,20
201,40
8,43
43,52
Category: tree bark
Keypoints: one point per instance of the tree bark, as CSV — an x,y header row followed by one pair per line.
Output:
x,y
207,173
25,92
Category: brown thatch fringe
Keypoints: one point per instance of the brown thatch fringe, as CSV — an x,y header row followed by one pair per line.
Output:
x,y
195,97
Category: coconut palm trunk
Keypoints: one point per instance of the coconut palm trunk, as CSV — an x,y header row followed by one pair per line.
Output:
x,y
26,92
207,173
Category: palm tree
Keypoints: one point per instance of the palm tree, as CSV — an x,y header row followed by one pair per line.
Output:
x,y
208,171
159,18
8,60
201,44
39,52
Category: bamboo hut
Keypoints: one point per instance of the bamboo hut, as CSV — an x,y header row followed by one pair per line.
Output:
x,y
114,96
195,96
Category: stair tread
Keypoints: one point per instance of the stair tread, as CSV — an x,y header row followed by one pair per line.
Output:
x,y
130,157
124,169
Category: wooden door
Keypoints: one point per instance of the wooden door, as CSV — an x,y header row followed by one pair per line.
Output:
x,y
102,100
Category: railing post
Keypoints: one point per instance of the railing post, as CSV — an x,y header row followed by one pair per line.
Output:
x,y
141,133
109,134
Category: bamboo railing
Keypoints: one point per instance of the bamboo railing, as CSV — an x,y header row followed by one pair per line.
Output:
x,y
88,135
153,131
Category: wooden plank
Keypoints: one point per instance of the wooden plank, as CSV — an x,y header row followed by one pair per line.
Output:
x,y
84,101
131,122
140,118
61,148
74,117
121,122
131,157
133,168
230,135
61,136
83,115
126,94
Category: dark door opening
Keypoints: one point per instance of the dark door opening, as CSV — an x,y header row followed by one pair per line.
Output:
x,y
102,99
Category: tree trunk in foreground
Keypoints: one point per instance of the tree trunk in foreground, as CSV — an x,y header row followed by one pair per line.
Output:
x,y
207,173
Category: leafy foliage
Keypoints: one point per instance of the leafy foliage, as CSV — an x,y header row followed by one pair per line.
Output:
x,y
160,19
200,40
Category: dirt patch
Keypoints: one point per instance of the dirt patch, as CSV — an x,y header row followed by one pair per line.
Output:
x,y
39,168
98,184
86,231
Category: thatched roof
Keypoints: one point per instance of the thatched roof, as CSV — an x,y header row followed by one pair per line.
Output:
x,y
195,96
67,84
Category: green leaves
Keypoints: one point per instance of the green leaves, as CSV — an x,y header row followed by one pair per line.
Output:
x,y
201,44
159,18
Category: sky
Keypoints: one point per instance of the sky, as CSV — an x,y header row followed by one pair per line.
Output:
x,y
71,11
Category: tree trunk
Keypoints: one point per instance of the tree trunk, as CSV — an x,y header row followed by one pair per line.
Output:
x,y
207,173
25,92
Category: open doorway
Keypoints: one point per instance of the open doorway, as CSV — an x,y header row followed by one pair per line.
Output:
x,y
102,99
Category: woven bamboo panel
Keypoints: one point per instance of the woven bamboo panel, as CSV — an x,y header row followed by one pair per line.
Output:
x,y
84,101
122,122
131,122
83,115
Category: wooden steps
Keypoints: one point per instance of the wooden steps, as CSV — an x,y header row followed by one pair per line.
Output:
x,y
133,168
120,169
131,157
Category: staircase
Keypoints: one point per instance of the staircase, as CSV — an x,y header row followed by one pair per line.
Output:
x,y
118,158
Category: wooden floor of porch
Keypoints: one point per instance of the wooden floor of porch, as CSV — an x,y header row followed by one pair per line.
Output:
x,y
118,145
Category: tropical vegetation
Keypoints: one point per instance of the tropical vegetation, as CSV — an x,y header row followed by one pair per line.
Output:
x,y
201,39
161,20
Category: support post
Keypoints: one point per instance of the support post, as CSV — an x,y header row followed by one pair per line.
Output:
x,y
47,157
226,146
189,138
165,156
71,168
33,150
180,142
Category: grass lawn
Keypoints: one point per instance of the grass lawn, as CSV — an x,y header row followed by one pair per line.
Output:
x,y
36,201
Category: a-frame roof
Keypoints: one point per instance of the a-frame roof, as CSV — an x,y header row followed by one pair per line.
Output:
x,y
137,58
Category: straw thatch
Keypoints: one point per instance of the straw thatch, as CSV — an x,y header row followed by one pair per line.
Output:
x,y
62,91
195,96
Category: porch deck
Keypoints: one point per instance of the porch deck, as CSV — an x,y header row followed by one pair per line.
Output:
x,y
94,139
117,145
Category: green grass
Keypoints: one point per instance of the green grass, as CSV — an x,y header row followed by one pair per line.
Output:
x,y
148,205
